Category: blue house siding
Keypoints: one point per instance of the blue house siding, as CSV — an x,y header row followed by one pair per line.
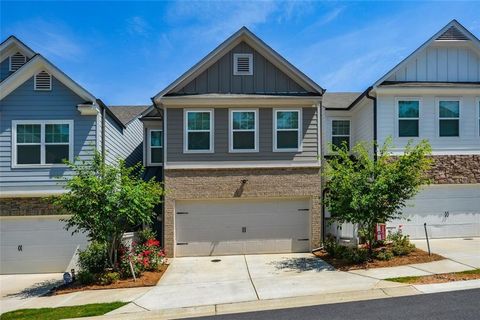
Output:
x,y
24,103
123,143
4,69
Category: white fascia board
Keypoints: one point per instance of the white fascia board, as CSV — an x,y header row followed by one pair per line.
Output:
x,y
27,194
11,46
242,164
458,90
225,101
35,65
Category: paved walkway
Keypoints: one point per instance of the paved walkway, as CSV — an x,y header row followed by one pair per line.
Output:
x,y
465,251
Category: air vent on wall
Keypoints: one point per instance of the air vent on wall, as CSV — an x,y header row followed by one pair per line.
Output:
x,y
43,81
453,34
243,64
16,61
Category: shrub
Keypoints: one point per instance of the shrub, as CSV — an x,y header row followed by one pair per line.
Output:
x,y
384,254
86,277
146,234
109,278
94,258
145,256
333,248
355,255
401,245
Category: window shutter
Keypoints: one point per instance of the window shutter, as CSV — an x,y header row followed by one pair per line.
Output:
x,y
243,64
43,81
16,61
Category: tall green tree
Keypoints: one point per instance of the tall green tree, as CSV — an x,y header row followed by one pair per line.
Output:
x,y
367,192
105,201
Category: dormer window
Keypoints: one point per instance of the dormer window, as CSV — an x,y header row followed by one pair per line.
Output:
x,y
16,61
243,64
43,81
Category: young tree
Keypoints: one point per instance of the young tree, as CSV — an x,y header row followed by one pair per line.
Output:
x,y
105,201
367,192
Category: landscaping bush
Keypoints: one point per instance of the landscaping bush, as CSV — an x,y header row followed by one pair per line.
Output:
x,y
86,277
94,258
145,235
355,255
109,278
401,245
384,254
333,248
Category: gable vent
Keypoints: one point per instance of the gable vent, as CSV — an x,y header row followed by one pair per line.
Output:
x,y
243,64
453,34
43,81
16,61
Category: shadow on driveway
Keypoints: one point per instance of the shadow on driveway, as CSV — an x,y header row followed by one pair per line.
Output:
x,y
302,264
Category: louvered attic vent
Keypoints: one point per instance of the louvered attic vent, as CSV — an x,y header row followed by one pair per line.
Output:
x,y
43,81
16,61
453,34
243,64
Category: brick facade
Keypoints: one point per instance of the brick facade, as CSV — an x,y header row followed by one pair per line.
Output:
x,y
227,184
455,169
31,206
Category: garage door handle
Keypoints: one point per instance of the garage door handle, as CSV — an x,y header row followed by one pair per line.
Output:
x,y
182,212
306,239
182,243
303,209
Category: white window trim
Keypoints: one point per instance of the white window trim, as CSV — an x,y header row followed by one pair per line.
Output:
x,y
397,117
149,146
341,135
185,130
231,130
250,64
42,124
35,81
437,113
300,129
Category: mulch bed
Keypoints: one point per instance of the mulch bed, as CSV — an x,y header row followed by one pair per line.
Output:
x,y
147,279
441,278
416,256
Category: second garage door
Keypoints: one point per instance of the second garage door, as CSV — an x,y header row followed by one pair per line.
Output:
x,y
221,227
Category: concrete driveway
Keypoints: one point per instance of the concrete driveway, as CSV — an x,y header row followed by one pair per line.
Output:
x,y
465,251
200,281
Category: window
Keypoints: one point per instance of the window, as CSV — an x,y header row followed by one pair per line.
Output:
x,y
199,131
43,81
243,131
42,142
287,130
449,118
242,64
341,134
408,118
155,143
17,61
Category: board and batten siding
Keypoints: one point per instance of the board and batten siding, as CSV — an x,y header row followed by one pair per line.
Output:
x,y
175,136
468,142
441,63
123,143
24,103
5,69
219,78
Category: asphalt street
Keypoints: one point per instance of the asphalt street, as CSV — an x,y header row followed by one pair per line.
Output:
x,y
455,305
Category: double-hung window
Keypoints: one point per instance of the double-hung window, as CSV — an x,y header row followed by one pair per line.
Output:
x,y
243,130
449,118
341,134
287,125
42,142
408,118
198,131
155,144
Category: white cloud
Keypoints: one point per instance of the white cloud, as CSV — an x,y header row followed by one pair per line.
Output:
x,y
138,26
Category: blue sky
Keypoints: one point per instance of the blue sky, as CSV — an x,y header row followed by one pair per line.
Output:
x,y
126,52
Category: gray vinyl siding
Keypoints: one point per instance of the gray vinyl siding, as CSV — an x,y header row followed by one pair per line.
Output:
x,y
219,78
26,104
175,139
123,143
4,69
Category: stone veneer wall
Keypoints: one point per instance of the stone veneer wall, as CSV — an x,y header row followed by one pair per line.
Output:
x,y
455,169
31,206
227,184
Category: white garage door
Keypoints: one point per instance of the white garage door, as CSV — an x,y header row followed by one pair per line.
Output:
x,y
450,211
223,227
36,245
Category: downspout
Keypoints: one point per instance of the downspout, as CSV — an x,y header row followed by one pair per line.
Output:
x,y
322,165
104,113
374,99
163,172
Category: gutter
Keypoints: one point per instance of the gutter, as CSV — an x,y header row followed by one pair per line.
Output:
x,y
374,99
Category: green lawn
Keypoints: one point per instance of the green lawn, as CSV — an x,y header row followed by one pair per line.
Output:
x,y
87,310
412,279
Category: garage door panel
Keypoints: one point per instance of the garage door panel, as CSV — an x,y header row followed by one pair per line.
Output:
x,y
215,227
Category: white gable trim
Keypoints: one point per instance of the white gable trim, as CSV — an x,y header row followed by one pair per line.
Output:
x,y
404,62
11,45
32,67
243,35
